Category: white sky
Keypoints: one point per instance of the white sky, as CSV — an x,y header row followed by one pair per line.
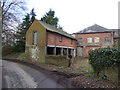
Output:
x,y
75,15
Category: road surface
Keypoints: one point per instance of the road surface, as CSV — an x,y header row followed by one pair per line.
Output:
x,y
17,75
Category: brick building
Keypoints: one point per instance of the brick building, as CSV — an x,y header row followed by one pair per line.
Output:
x,y
93,37
43,39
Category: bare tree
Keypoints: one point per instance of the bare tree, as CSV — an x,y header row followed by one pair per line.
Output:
x,y
12,10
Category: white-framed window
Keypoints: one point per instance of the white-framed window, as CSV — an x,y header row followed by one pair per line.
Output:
x,y
89,40
34,38
96,39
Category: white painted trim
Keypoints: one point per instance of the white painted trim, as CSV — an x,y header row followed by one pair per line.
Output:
x,y
60,46
51,45
65,47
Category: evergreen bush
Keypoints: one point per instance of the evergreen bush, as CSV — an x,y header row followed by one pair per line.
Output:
x,y
103,57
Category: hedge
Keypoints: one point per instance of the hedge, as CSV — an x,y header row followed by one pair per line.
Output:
x,y
103,57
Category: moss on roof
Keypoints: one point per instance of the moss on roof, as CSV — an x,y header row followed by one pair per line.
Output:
x,y
56,30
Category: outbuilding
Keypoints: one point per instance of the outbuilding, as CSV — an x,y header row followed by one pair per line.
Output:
x,y
44,39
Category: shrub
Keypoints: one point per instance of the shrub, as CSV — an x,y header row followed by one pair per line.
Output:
x,y
103,57
6,50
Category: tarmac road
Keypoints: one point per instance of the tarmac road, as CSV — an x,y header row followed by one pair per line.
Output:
x,y
15,75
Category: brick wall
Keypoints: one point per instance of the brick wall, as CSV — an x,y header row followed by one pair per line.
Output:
x,y
88,46
35,53
54,39
41,34
100,35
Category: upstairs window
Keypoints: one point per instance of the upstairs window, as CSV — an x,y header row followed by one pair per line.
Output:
x,y
96,39
89,40
79,41
71,41
60,38
106,40
34,38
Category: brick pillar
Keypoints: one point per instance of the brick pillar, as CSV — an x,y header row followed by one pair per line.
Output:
x,y
72,52
67,51
61,51
54,50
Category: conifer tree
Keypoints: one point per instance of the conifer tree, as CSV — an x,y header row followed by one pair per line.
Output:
x,y
50,18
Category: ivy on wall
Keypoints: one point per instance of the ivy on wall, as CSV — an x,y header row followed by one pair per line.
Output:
x,y
103,57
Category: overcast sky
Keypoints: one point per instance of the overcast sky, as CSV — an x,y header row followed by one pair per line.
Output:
x,y
75,15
